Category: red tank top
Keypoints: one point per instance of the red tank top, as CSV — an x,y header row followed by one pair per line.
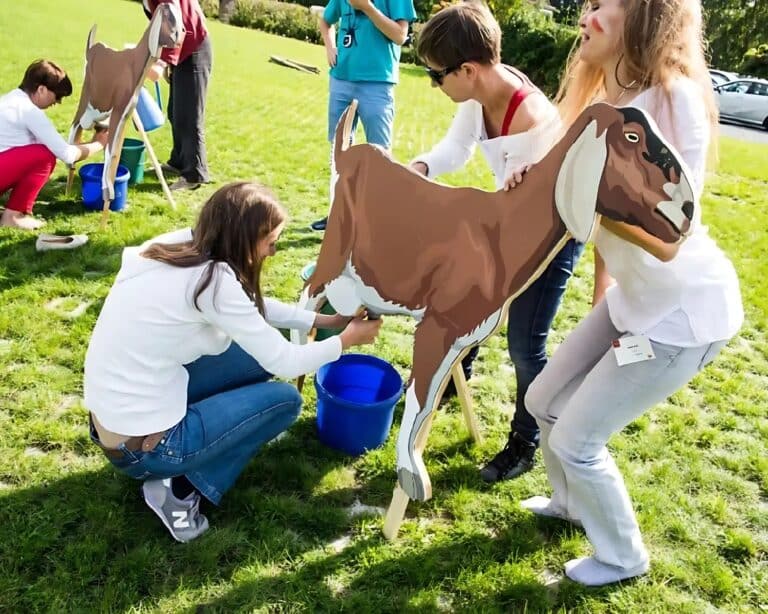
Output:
x,y
517,98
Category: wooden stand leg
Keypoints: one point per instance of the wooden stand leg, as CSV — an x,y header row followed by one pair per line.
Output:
x,y
153,159
71,176
395,513
460,381
70,180
112,175
399,503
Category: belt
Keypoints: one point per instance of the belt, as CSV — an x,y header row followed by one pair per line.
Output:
x,y
144,443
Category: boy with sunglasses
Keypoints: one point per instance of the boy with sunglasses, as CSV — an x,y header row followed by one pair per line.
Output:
x,y
515,125
364,58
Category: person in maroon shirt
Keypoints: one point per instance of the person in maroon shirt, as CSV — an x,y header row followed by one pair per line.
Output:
x,y
190,70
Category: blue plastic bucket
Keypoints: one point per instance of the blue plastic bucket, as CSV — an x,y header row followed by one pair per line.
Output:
x,y
356,398
90,175
150,112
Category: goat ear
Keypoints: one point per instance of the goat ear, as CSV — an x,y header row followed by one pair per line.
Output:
x,y
154,33
578,182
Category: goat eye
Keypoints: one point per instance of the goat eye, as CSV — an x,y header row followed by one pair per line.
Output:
x,y
632,137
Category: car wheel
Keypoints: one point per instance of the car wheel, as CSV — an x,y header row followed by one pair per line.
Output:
x,y
765,123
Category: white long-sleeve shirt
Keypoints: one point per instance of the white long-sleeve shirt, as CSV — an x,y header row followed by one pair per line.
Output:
x,y
135,381
24,123
694,299
504,154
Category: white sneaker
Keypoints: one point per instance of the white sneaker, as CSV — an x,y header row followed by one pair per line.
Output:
x,y
46,242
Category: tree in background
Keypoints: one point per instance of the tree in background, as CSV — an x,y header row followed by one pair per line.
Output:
x,y
734,27
568,11
756,61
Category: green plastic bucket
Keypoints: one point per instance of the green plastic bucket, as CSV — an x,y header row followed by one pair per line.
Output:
x,y
133,157
322,333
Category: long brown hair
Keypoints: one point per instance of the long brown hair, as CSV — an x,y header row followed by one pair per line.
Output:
x,y
228,229
662,39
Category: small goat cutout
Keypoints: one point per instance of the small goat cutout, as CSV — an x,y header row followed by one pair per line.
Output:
x,y
112,82
455,258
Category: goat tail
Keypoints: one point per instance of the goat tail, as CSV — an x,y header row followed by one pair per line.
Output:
x,y
343,136
91,38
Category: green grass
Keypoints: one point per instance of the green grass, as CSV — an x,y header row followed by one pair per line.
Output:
x,y
74,535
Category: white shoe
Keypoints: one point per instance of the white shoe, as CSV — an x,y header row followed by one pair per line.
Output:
x,y
17,219
542,506
46,242
591,572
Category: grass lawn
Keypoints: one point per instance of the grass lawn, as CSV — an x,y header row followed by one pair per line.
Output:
x,y
74,535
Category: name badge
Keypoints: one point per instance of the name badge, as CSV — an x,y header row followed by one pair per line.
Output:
x,y
633,349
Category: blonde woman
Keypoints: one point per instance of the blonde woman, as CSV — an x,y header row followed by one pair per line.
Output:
x,y
681,300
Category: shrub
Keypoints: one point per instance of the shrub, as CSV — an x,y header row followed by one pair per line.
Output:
x,y
283,18
531,41
210,8
537,45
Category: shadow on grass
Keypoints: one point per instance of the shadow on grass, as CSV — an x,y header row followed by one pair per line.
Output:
x,y
373,575
87,542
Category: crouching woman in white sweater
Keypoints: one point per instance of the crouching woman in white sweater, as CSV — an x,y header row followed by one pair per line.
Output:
x,y
178,367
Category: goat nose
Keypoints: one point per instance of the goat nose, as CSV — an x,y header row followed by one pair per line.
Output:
x,y
688,209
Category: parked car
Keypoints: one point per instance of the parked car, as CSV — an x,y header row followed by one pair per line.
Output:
x,y
719,77
744,100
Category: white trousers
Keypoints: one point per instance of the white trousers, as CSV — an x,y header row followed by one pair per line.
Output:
x,y
579,400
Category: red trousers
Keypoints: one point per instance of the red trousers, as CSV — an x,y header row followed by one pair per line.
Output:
x,y
24,171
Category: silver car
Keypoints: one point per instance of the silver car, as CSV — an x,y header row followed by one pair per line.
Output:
x,y
744,100
719,77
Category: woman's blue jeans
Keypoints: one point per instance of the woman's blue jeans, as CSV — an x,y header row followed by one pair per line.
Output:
x,y
232,411
530,318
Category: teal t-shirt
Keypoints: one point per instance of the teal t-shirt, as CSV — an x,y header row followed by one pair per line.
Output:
x,y
365,54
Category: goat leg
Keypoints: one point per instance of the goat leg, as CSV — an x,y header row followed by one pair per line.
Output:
x,y
433,360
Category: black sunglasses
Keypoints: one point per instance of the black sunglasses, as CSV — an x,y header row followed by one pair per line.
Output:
x,y
437,76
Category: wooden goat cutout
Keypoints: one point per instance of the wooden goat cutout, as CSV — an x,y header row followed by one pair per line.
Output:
x,y
455,258
111,89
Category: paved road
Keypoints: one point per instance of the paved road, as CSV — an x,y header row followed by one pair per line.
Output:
x,y
744,133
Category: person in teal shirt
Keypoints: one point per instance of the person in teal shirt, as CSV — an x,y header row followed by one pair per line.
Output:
x,y
362,41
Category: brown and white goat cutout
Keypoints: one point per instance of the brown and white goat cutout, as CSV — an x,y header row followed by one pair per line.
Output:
x,y
112,83
454,258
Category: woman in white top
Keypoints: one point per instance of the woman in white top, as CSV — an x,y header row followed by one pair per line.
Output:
x,y
515,125
682,301
30,144
177,367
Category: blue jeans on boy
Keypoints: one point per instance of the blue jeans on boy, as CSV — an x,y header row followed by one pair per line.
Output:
x,y
376,108
232,411
530,318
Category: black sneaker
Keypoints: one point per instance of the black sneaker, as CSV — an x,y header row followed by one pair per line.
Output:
x,y
319,225
517,458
